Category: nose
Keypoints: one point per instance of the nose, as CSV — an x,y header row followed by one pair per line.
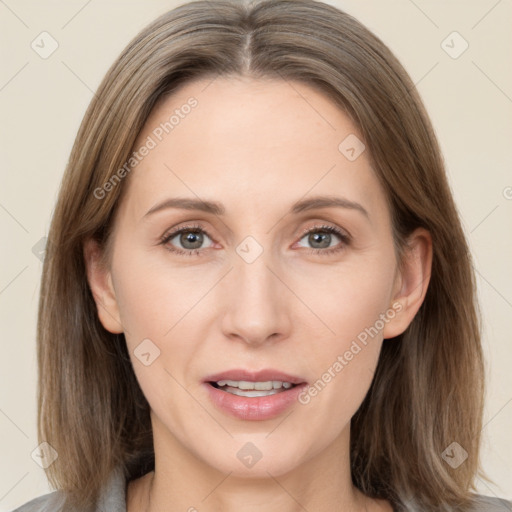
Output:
x,y
257,301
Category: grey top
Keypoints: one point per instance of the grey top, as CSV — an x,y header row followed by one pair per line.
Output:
x,y
113,499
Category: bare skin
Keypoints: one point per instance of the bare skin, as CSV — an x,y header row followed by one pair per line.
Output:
x,y
256,146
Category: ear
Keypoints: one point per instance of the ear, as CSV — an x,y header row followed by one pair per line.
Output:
x,y
100,282
411,283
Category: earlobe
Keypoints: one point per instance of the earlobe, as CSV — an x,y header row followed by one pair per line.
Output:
x,y
100,283
411,283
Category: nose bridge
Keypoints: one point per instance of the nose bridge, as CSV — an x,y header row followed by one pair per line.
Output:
x,y
256,282
256,307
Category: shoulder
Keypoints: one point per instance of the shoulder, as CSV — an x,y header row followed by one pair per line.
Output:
x,y
48,503
111,499
488,504
479,503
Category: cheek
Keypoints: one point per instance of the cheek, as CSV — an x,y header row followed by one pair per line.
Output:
x,y
355,307
152,295
153,309
160,307
348,298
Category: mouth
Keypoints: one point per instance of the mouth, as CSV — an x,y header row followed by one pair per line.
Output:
x,y
248,395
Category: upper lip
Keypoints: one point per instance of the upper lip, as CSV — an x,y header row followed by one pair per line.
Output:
x,y
255,376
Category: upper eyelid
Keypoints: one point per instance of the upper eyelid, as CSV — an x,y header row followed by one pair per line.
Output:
x,y
316,227
173,232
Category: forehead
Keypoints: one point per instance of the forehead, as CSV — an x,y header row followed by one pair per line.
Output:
x,y
254,143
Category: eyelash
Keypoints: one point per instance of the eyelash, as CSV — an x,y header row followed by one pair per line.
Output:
x,y
345,238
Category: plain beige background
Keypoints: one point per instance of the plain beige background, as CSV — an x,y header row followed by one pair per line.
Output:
x,y
467,93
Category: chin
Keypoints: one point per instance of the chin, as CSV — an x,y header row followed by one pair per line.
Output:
x,y
254,459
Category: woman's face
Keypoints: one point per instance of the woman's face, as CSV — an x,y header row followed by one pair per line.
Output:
x,y
263,283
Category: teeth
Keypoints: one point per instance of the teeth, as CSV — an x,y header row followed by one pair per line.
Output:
x,y
259,386
251,392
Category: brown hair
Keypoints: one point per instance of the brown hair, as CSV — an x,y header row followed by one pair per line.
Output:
x,y
428,388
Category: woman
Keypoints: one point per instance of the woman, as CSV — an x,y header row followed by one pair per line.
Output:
x,y
257,294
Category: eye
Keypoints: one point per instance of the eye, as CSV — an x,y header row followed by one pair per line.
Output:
x,y
190,238
322,236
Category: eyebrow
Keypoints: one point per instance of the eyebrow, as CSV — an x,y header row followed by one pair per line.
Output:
x,y
217,208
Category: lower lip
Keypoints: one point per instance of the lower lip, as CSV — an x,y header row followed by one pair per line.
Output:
x,y
254,408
